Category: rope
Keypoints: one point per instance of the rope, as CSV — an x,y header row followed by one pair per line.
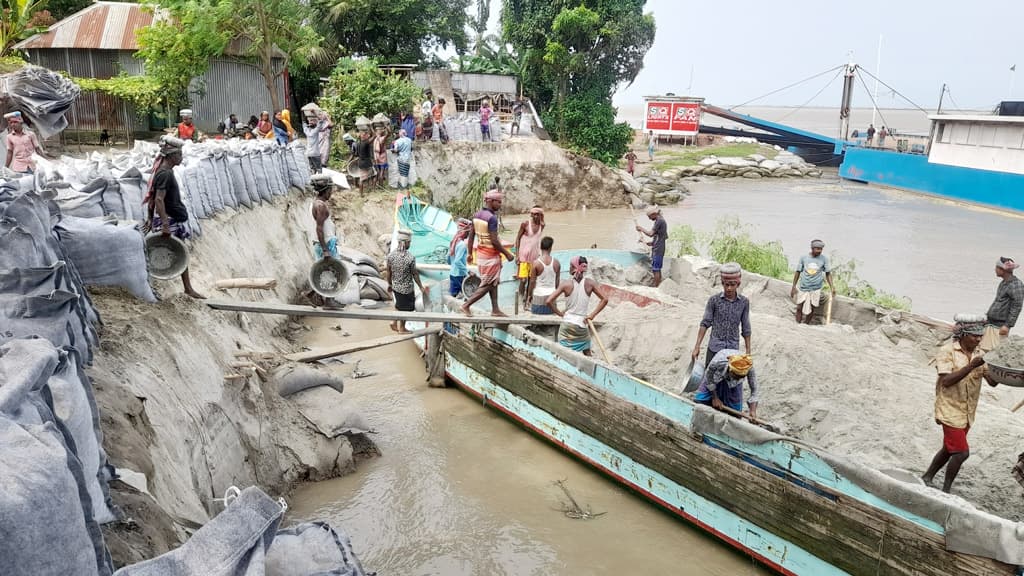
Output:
x,y
894,91
811,99
840,67
872,98
953,100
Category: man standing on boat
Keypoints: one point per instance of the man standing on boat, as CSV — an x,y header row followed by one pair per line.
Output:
x,y
727,314
960,367
811,273
545,276
1005,309
723,381
528,247
574,331
489,252
658,234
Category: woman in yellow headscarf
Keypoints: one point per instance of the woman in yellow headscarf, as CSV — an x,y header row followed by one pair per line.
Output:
x,y
723,382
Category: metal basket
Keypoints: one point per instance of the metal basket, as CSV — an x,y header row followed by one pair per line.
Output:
x,y
166,256
1006,376
328,277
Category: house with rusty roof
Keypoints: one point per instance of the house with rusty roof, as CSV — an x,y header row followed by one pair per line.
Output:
x,y
99,42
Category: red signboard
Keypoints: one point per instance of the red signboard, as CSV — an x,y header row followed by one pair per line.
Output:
x,y
685,117
659,116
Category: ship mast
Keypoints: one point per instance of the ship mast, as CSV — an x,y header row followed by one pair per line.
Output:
x,y
844,106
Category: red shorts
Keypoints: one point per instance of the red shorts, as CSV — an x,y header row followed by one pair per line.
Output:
x,y
955,439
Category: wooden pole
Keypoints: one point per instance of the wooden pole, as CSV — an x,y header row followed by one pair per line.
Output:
x,y
1017,407
349,348
435,359
604,351
257,283
390,315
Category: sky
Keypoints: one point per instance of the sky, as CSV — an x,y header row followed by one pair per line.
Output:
x,y
739,50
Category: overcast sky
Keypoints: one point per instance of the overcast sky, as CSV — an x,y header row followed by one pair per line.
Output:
x,y
742,49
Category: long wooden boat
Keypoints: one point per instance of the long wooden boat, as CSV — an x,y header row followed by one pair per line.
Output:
x,y
787,504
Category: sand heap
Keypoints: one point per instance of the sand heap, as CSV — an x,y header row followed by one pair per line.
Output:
x,y
864,393
1009,354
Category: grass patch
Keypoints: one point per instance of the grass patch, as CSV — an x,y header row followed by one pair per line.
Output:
x,y
731,241
10,64
674,157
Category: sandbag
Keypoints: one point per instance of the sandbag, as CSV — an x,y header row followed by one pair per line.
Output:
x,y
43,282
208,176
48,526
291,158
84,203
326,410
293,377
312,548
276,172
364,270
234,168
233,543
75,406
259,172
250,180
355,256
23,250
131,185
192,192
371,288
220,171
51,317
107,255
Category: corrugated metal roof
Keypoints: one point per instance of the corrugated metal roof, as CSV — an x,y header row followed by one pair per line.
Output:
x,y
103,26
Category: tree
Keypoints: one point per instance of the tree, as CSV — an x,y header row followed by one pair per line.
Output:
x,y
576,55
16,22
271,33
401,31
176,49
270,30
479,23
491,57
61,9
361,88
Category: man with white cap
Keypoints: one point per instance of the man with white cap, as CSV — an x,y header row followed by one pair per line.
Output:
x,y
166,211
186,130
21,144
402,274
960,366
489,252
1005,309
811,273
658,234
727,315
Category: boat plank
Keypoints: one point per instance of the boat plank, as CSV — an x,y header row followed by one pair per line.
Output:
x,y
841,530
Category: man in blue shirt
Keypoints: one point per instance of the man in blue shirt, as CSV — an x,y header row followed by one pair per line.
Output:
x,y
808,280
727,315
458,254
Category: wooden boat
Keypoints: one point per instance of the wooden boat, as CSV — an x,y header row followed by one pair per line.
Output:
x,y
789,505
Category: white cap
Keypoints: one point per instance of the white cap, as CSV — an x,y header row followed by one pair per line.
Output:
x,y
185,112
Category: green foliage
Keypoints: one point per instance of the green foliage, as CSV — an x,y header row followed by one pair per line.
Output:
x,y
470,198
176,50
491,57
588,126
683,240
10,64
393,32
142,91
731,241
61,9
17,23
360,88
599,54
848,283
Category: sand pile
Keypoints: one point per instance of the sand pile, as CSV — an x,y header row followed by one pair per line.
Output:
x,y
1009,354
865,394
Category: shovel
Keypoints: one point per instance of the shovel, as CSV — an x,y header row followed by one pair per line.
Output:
x,y
766,425
828,311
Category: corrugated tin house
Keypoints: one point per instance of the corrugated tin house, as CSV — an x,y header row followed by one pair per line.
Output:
x,y
469,90
99,42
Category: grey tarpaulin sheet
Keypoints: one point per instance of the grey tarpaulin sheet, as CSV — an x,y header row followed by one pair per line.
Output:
x,y
48,521
312,548
233,543
967,529
43,97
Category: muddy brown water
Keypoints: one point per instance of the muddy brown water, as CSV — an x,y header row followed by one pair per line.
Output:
x,y
461,490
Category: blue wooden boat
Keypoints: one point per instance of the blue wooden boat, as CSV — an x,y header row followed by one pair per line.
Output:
x,y
787,504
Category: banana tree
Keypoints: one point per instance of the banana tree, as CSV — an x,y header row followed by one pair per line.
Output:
x,y
16,22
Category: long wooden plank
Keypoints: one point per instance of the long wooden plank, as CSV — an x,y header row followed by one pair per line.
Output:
x,y
390,315
843,531
351,347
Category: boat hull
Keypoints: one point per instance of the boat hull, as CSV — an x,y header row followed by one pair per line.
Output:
x,y
638,435
914,172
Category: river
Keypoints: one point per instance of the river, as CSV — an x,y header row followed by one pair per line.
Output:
x,y
459,490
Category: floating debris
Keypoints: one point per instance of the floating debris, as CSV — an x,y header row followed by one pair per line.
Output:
x,y
572,509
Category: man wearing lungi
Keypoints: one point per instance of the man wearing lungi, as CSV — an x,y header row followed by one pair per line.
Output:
x,y
574,332
488,253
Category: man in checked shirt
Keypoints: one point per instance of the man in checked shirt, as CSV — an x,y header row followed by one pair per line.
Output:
x,y
727,314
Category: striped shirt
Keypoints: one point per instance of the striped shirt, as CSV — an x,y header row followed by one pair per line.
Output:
x,y
728,320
